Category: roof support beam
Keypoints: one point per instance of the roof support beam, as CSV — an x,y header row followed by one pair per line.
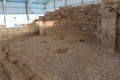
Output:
x,y
29,2
4,11
65,2
82,2
45,8
28,9
54,4
49,2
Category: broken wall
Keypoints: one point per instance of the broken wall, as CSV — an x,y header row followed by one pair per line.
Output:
x,y
8,33
69,18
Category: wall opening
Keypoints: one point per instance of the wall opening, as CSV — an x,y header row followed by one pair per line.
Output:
x,y
1,19
16,20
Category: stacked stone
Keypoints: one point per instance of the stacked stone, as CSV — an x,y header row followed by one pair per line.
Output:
x,y
26,29
108,25
80,18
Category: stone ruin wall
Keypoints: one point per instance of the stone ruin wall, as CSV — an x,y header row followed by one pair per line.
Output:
x,y
81,18
110,24
9,33
102,20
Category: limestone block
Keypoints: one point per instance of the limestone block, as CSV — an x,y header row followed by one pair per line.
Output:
x,y
112,5
42,27
108,20
108,37
108,28
109,15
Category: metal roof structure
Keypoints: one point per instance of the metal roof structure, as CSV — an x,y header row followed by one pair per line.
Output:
x,y
23,6
37,6
25,1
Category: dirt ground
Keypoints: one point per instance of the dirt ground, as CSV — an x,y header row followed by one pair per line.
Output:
x,y
63,56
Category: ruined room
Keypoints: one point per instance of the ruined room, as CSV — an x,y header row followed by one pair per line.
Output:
x,y
59,39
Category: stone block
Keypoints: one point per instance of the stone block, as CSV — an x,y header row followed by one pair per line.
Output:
x,y
109,15
108,37
108,26
109,20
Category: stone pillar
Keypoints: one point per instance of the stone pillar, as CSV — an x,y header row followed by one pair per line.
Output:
x,y
41,25
65,2
108,26
54,5
41,28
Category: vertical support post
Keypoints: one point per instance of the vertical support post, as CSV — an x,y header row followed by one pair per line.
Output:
x,y
4,11
65,2
45,8
54,4
108,29
28,9
82,2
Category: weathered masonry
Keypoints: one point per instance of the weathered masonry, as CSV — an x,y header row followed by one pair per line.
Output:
x,y
101,20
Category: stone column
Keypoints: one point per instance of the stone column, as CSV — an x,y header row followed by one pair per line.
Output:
x,y
41,25
108,26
